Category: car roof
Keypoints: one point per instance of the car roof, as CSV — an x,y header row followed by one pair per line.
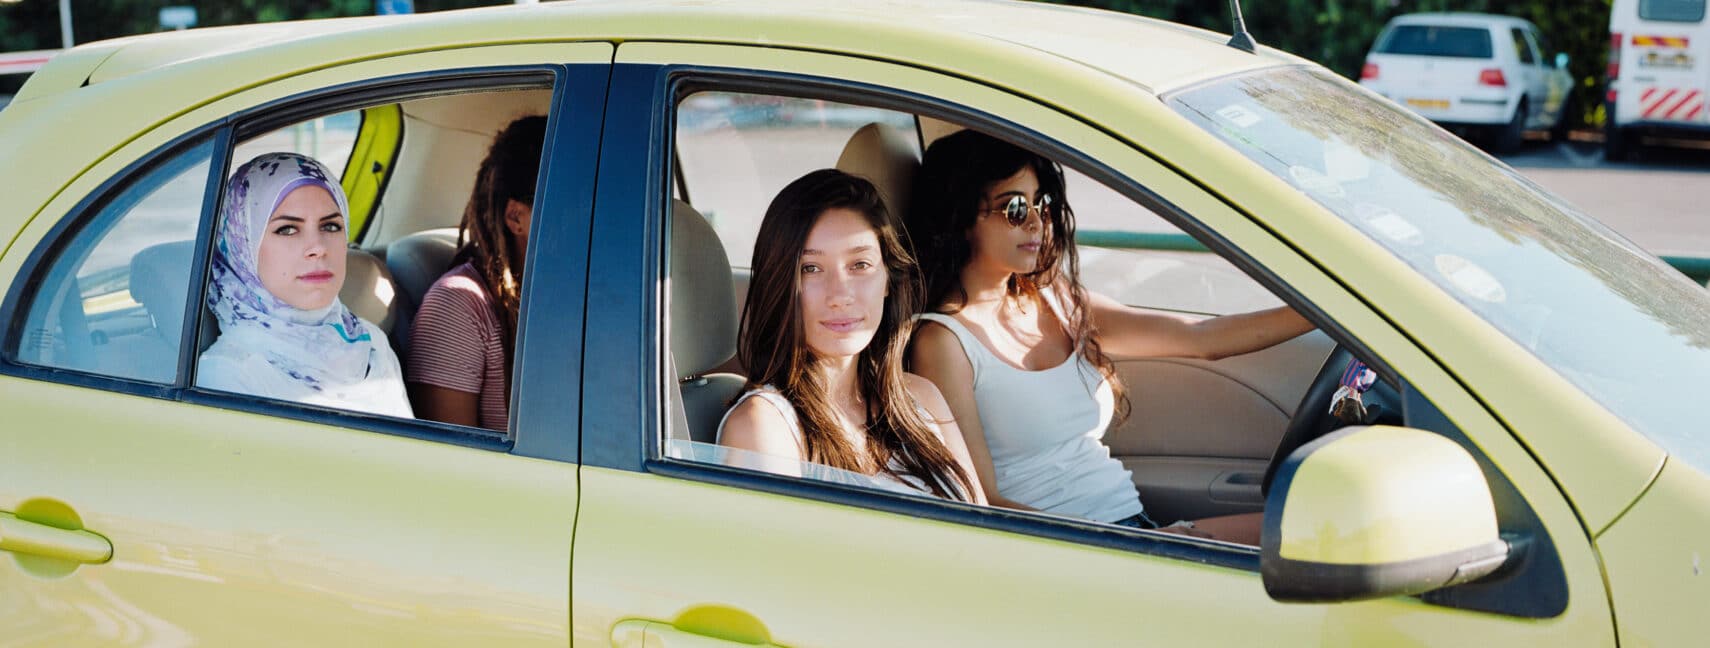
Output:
x,y
1459,18
1153,54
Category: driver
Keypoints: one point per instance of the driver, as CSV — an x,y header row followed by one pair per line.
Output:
x,y
1023,353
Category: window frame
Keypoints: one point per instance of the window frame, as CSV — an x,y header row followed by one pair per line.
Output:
x,y
228,130
621,436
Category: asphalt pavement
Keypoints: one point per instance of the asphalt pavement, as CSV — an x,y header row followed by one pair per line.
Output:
x,y
1660,199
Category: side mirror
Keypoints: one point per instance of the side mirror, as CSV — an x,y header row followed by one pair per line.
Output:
x,y
1372,512
1561,60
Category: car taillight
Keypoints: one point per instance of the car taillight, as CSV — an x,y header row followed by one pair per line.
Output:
x,y
1614,55
1492,77
1368,72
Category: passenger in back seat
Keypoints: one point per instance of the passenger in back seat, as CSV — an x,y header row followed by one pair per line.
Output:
x,y
278,267
459,357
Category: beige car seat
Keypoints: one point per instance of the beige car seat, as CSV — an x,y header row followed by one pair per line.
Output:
x,y
885,156
703,321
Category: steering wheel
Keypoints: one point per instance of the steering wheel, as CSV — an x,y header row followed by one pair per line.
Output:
x,y
1312,417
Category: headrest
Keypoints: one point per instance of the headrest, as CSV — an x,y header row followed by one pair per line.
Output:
x,y
368,289
418,260
886,157
160,275
703,303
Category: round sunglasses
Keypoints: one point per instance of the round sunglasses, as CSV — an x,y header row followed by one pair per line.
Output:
x,y
1015,210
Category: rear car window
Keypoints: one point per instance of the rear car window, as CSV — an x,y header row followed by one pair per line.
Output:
x,y
1672,10
1432,40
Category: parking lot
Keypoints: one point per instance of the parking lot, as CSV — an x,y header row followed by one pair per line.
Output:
x,y
1661,200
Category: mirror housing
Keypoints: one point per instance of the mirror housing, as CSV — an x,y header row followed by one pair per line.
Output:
x,y
1378,511
1561,60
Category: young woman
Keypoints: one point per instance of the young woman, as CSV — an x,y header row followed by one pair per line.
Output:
x,y
278,267
822,337
465,329
1021,351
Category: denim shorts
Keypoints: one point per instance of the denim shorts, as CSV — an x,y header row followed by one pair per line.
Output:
x,y
1137,521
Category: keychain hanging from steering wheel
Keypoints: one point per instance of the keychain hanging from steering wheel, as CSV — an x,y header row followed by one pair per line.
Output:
x,y
1346,405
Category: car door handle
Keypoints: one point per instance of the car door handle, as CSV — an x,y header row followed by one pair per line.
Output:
x,y
35,539
638,633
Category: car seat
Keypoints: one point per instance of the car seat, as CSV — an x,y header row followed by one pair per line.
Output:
x,y
415,262
886,157
703,326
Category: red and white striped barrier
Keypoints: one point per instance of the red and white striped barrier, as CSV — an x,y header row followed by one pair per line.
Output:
x,y
1681,104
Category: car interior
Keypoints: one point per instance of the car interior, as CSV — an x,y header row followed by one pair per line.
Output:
x,y
1201,433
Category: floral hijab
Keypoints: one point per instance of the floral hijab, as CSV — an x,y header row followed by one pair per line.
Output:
x,y
319,348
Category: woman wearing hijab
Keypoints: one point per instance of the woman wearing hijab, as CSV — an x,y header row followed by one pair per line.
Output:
x,y
278,266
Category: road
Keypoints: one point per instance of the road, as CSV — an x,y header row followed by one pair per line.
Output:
x,y
1661,201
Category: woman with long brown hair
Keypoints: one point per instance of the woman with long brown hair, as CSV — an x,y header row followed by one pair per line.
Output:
x,y
1021,351
823,335
459,358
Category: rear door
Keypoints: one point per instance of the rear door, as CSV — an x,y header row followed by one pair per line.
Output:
x,y
1665,61
160,514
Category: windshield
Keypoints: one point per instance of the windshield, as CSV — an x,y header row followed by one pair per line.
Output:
x,y
1611,318
1430,40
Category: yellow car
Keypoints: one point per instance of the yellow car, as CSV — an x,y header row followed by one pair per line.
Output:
x,y
1531,470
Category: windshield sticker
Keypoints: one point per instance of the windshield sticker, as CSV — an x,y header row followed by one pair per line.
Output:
x,y
1470,279
1389,224
1316,182
1239,115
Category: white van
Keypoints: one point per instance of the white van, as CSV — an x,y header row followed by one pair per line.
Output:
x,y
1659,72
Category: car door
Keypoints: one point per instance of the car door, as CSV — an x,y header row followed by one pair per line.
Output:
x,y
137,509
1532,74
670,550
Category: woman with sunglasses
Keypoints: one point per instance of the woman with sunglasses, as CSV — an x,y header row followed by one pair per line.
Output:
x,y
1022,352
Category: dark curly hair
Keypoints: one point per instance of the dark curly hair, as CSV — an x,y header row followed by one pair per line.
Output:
x,y
955,175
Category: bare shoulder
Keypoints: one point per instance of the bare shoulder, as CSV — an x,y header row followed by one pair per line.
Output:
x,y
757,424
926,393
936,343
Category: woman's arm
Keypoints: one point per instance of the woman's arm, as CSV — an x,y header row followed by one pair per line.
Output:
x,y
923,392
1128,332
936,356
443,404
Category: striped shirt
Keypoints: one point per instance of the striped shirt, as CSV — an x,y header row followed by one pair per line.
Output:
x,y
456,343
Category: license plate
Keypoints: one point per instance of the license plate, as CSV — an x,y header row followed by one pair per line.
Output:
x,y
1434,104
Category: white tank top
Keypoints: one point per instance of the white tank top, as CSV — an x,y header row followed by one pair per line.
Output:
x,y
903,482
1045,430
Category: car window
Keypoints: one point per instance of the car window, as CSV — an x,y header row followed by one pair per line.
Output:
x,y
328,139
1522,47
1433,40
112,301
1542,43
1689,11
736,150
1610,318
731,145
